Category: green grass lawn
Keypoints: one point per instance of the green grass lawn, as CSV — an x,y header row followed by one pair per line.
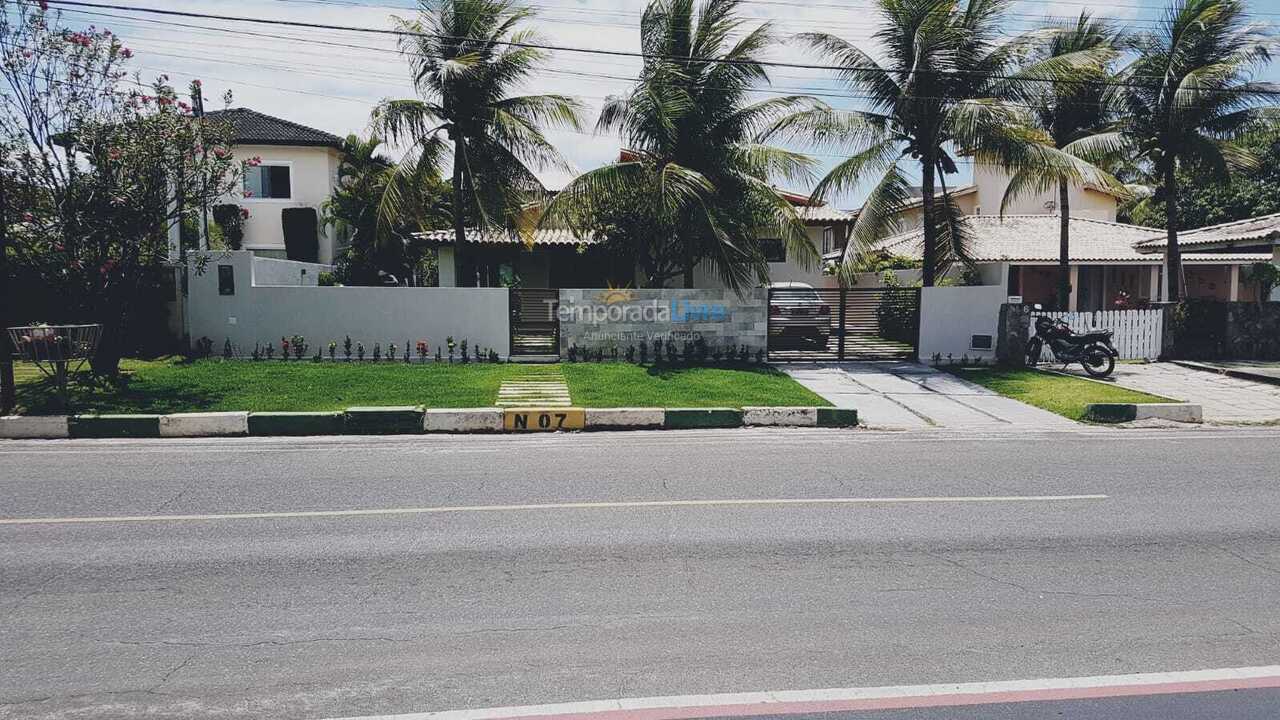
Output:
x,y
1066,396
170,385
624,385
165,386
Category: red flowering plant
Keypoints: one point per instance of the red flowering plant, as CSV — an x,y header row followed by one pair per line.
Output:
x,y
94,159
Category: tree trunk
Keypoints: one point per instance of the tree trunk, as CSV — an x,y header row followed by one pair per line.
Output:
x,y
1173,266
460,266
930,255
686,251
1064,246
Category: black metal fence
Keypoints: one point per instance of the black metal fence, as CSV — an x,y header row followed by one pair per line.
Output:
x,y
535,326
807,324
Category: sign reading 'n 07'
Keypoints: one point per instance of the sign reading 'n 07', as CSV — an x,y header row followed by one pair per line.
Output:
x,y
544,419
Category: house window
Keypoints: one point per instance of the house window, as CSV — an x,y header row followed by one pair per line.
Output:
x,y
268,182
774,250
828,240
226,280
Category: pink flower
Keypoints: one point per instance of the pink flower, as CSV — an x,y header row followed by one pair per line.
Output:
x,y
244,213
28,217
126,53
197,83
114,153
248,193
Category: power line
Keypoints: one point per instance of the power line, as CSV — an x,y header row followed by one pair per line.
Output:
x,y
556,48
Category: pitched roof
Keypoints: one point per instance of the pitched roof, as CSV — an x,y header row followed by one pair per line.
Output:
x,y
541,236
1034,239
1260,230
255,128
822,214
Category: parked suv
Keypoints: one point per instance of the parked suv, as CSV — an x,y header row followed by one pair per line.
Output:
x,y
798,315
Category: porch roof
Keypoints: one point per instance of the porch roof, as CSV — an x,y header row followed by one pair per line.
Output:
x,y
1262,230
501,236
1034,239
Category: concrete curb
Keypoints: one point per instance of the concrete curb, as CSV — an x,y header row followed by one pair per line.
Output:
x,y
1128,412
837,417
35,427
410,420
296,423
625,418
114,426
687,418
212,424
463,420
780,416
1237,373
404,420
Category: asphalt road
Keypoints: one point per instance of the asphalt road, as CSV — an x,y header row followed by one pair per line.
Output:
x,y
509,597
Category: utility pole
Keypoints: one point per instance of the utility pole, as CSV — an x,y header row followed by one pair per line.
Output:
x,y
197,109
8,391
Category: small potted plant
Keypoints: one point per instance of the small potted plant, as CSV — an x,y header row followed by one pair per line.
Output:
x,y
438,354
406,352
333,350
360,352
452,345
463,347
346,348
377,352
671,351
391,351
299,347
271,351
284,348
422,351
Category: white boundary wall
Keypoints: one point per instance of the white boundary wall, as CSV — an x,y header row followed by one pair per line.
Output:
x,y
951,316
1139,334
262,313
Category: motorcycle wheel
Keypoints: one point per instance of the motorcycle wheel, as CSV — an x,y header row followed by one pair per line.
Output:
x,y
1034,346
1098,362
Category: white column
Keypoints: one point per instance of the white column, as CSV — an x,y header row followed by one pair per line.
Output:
x,y
1233,282
1074,303
1153,286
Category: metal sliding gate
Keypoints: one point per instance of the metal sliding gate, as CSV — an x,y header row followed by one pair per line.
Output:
x,y
535,324
828,324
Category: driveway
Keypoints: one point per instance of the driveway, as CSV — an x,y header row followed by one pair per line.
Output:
x,y
1225,399
906,395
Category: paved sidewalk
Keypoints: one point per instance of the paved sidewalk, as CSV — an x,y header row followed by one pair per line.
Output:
x,y
1224,399
906,395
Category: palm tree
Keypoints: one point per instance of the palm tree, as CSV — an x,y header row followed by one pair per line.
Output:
x,y
1187,101
1068,110
692,133
944,88
467,57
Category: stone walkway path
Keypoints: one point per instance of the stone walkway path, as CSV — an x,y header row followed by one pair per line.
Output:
x,y
541,389
906,395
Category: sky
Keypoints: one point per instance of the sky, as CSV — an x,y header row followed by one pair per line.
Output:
x,y
331,80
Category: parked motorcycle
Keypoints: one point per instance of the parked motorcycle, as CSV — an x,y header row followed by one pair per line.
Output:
x,y
1093,349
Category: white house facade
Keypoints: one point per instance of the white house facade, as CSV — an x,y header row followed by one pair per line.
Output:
x,y
286,165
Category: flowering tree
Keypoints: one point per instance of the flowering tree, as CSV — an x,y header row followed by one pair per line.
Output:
x,y
101,167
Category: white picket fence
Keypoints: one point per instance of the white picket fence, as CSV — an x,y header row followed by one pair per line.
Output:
x,y
1138,333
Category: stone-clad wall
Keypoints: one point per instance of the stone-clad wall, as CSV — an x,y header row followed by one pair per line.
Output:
x,y
603,319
